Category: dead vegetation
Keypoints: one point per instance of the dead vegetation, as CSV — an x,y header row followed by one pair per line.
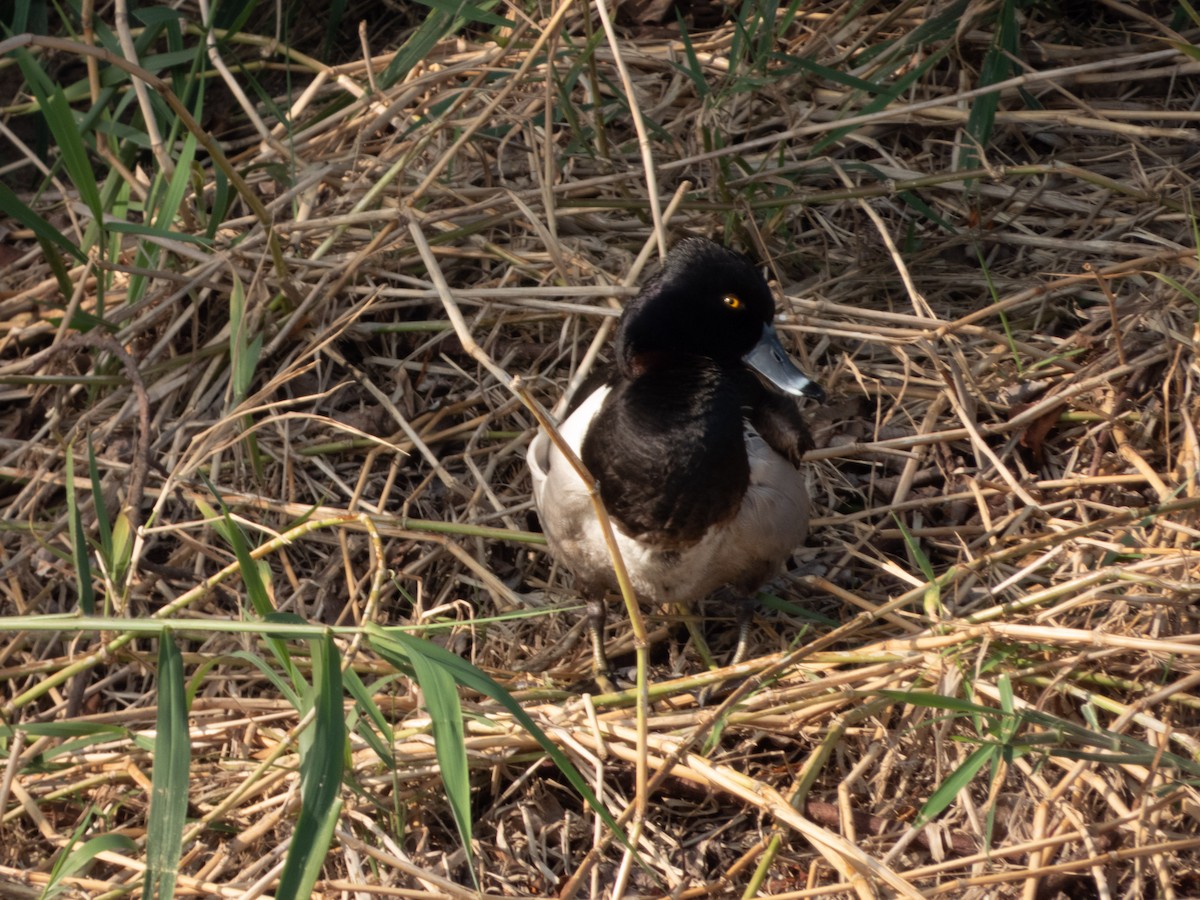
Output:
x,y
993,621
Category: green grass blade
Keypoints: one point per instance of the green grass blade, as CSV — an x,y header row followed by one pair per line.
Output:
x,y
49,238
221,197
885,96
67,134
27,17
233,17
384,641
933,590
1186,49
939,28
419,45
1178,286
244,351
467,12
440,695
103,522
122,551
940,799
83,568
382,737
255,576
177,187
75,858
834,75
251,574
997,66
288,690
169,777
12,205
914,200
321,766
693,70
66,729
927,700
1111,742
1007,700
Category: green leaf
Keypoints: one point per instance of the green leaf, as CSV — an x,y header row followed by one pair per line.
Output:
x,y
321,768
83,568
66,729
384,641
934,29
285,688
153,231
1007,700
928,700
221,196
693,70
169,777
933,589
103,522
1186,49
66,131
1178,286
419,45
381,738
122,549
255,575
74,858
468,13
49,238
243,352
950,788
915,201
449,739
1190,10
836,76
252,576
998,65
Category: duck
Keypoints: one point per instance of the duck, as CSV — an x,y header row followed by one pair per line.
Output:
x,y
694,438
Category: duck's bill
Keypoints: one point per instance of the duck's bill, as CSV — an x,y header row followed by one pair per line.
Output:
x,y
772,363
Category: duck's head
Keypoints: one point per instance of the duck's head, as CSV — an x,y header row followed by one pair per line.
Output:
x,y
709,302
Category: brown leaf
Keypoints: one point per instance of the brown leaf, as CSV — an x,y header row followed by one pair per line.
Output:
x,y
1034,436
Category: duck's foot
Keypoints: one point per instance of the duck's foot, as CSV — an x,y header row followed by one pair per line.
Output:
x,y
744,613
602,671
745,618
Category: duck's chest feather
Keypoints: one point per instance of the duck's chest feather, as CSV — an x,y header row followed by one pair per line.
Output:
x,y
669,452
698,497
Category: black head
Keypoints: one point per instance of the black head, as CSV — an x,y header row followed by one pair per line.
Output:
x,y
710,303
705,301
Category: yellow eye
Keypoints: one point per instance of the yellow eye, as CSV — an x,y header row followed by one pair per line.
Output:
x,y
733,301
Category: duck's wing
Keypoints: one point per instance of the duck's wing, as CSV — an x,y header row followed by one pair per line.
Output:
x,y
777,418
554,479
602,375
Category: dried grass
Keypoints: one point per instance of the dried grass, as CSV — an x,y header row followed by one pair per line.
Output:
x,y
1011,356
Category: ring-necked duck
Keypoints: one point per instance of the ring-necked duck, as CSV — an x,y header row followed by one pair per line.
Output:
x,y
694,438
